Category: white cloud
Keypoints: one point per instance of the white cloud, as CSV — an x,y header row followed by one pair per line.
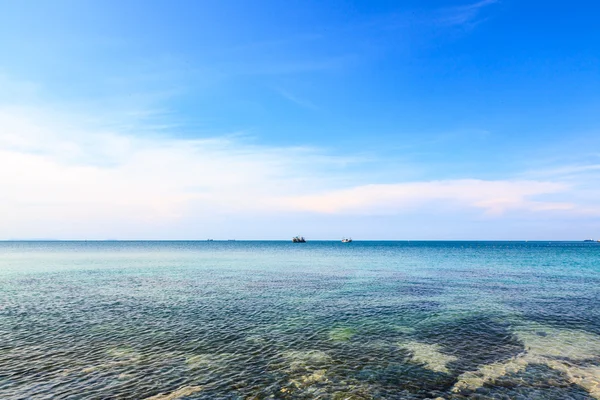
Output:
x,y
494,197
52,169
59,177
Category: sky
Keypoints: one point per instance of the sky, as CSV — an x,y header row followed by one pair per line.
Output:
x,y
437,120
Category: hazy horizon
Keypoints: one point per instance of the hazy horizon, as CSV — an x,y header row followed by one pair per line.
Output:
x,y
288,240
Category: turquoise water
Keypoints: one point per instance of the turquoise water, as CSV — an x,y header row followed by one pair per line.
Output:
x,y
326,320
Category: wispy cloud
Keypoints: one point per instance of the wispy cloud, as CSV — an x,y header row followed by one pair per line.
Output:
x,y
289,66
493,197
565,171
461,15
295,99
290,41
467,15
16,90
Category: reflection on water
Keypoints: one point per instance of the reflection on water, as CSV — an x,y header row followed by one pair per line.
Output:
x,y
254,320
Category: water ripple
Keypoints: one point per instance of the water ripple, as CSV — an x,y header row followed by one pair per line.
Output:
x,y
378,322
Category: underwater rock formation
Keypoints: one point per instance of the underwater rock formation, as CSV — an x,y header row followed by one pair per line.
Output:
x,y
567,351
429,355
181,392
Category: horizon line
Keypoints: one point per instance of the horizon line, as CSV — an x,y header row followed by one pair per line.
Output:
x,y
289,240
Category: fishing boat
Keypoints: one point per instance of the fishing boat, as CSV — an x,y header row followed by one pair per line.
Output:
x,y
298,239
346,240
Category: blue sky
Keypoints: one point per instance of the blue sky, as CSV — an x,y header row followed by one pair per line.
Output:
x,y
265,119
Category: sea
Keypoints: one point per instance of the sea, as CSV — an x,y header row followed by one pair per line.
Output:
x,y
317,320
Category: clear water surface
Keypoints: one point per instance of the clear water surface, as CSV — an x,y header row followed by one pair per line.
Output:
x,y
321,320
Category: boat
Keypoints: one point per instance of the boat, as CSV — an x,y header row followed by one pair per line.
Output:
x,y
590,240
298,239
347,240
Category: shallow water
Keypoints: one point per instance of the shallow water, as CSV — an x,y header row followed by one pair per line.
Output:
x,y
254,320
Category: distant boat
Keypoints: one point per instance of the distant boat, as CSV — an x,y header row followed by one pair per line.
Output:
x,y
209,240
298,239
590,240
347,240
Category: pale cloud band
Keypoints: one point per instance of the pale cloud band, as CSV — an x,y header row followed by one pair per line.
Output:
x,y
493,197
57,171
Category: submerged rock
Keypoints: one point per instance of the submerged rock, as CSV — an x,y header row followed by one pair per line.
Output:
x,y
341,334
564,343
404,329
181,392
123,352
350,396
559,349
319,376
429,355
307,356
300,361
208,360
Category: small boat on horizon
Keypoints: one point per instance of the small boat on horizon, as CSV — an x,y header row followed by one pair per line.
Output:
x,y
591,240
298,239
346,240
